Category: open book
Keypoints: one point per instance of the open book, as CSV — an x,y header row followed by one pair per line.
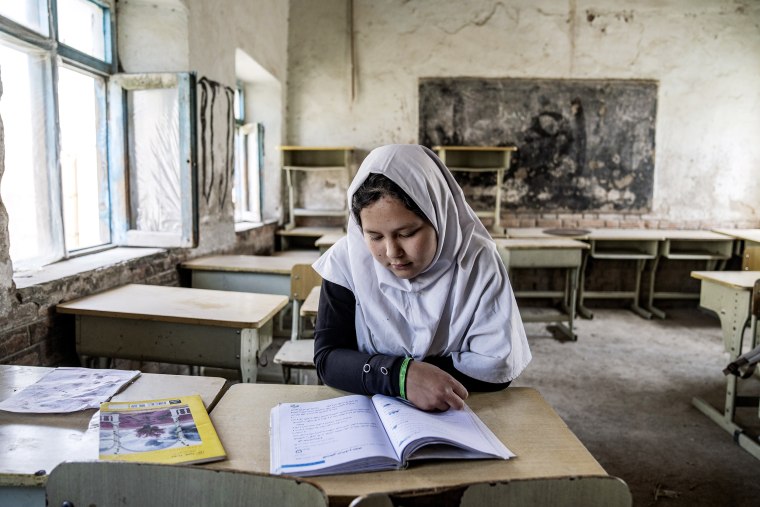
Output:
x,y
359,434
171,430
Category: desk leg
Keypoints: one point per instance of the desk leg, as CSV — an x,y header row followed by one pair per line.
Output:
x,y
732,307
582,310
569,303
295,324
252,343
637,291
650,294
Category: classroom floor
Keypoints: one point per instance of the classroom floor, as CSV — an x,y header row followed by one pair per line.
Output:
x,y
625,389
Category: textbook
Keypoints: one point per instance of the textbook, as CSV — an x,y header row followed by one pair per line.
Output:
x,y
171,430
356,433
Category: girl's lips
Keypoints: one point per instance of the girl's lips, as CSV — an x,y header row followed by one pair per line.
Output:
x,y
401,266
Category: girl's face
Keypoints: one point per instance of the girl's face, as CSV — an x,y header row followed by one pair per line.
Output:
x,y
398,238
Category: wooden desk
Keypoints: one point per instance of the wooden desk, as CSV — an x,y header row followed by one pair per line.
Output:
x,y
306,233
326,241
519,416
713,248
176,325
728,294
480,159
747,246
31,445
639,245
541,233
553,253
264,274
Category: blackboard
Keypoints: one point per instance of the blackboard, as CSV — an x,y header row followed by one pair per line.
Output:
x,y
583,145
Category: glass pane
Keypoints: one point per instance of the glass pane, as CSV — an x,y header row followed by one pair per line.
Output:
x,y
25,187
154,156
30,13
81,106
81,26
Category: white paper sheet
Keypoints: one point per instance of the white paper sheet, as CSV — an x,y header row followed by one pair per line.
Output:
x,y
69,390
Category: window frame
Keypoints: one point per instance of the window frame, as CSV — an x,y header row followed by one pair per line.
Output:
x,y
116,195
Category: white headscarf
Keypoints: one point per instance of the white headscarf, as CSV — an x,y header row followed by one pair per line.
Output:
x,y
461,305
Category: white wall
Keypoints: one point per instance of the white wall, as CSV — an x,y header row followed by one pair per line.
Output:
x,y
206,37
705,54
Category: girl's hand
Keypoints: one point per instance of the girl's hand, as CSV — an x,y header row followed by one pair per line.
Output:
x,y
430,388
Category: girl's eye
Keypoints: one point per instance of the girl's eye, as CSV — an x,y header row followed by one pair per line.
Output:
x,y
407,234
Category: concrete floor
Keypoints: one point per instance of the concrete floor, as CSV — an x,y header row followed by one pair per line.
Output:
x,y
625,389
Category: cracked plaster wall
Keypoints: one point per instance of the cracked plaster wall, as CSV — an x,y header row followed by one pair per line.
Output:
x,y
704,54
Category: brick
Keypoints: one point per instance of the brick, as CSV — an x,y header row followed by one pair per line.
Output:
x,y
13,342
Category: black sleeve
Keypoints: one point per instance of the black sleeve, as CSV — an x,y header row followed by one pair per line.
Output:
x,y
339,362
471,384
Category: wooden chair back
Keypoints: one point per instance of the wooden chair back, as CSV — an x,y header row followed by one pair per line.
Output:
x,y
302,279
751,258
590,491
125,483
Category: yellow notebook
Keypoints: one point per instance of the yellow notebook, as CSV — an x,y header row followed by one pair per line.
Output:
x,y
170,430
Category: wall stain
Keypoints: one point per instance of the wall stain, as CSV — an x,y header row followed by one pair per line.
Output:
x,y
217,124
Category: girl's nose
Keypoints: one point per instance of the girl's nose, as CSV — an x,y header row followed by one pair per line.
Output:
x,y
393,249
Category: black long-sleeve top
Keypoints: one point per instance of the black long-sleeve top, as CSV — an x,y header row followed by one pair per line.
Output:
x,y
340,364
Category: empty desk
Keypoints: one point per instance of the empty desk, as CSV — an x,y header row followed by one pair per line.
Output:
x,y
328,240
639,245
728,294
31,445
519,417
553,253
176,325
265,274
747,246
713,248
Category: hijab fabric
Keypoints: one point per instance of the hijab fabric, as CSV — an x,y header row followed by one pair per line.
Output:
x,y
461,305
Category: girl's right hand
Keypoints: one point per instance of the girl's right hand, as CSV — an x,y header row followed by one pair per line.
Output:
x,y
430,388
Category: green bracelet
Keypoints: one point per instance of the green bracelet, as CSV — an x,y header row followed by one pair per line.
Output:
x,y
402,377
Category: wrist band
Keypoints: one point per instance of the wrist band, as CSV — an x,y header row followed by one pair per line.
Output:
x,y
402,377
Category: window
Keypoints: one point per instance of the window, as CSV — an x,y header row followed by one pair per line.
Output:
x,y
249,159
70,184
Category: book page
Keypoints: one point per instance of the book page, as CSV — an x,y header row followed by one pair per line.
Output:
x,y
68,389
409,427
322,435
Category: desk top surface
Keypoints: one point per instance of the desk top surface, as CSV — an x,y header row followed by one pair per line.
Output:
x,y
540,243
272,264
618,234
519,416
38,442
475,148
745,234
735,279
310,305
181,305
309,231
329,239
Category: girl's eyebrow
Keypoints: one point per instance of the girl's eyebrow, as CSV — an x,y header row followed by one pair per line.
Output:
x,y
397,229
